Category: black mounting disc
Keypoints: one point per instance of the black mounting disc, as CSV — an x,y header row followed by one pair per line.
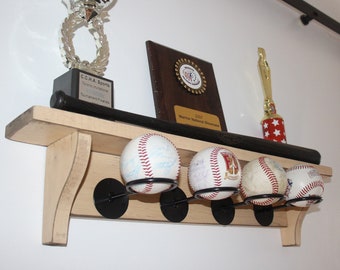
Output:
x,y
110,198
174,205
264,214
223,211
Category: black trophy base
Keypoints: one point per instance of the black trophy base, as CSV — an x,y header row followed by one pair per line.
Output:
x,y
85,86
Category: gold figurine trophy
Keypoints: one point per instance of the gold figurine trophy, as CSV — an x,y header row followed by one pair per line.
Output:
x,y
272,123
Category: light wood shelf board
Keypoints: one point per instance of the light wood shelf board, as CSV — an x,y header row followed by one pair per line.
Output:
x,y
111,137
84,150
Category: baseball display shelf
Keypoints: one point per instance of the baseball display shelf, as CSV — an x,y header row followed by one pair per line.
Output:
x,y
82,177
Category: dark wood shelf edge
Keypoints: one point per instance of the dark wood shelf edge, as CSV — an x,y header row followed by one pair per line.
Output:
x,y
60,100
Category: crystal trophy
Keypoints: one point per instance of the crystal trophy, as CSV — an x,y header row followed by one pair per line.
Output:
x,y
84,79
272,123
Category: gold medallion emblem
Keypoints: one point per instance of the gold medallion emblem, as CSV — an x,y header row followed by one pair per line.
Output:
x,y
190,76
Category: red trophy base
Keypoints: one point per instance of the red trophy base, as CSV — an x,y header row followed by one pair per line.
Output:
x,y
274,130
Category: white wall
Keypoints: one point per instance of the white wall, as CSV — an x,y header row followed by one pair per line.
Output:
x,y
305,63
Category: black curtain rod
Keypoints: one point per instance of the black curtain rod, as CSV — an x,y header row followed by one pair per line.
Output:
x,y
311,13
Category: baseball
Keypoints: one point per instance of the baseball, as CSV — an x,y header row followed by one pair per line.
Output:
x,y
149,156
304,181
214,167
263,176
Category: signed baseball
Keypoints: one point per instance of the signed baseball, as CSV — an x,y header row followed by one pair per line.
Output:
x,y
263,176
150,156
214,167
304,181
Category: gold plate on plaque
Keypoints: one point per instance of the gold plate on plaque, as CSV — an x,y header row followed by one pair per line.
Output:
x,y
196,118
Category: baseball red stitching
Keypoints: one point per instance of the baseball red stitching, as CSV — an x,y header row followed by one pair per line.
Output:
x,y
300,167
304,191
179,157
215,172
144,158
272,178
243,192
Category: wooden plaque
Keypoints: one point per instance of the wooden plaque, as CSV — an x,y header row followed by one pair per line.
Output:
x,y
184,88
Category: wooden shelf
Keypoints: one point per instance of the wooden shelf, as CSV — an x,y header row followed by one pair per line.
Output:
x,y
83,150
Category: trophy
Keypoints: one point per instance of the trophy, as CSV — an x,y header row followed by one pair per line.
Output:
x,y
84,79
272,123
